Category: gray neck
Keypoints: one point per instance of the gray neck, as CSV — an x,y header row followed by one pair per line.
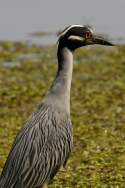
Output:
x,y
60,89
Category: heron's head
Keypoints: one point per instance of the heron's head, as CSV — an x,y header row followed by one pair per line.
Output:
x,y
76,36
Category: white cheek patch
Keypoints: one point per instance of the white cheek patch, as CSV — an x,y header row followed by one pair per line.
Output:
x,y
74,37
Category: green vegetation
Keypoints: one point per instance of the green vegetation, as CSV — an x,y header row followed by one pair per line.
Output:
x,y
97,108
42,34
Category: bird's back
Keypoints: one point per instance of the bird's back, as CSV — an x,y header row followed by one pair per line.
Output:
x,y
40,148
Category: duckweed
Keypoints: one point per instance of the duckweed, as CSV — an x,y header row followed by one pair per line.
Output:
x,y
97,109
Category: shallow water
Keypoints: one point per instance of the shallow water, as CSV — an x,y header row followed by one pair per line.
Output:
x,y
44,40
10,64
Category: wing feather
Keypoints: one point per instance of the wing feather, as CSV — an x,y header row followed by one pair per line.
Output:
x,y
40,148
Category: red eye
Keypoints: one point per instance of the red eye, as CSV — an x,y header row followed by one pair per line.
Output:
x,y
88,35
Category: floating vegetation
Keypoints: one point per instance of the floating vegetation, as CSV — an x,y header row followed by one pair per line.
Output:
x,y
97,108
42,34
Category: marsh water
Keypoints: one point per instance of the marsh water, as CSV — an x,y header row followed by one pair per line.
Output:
x,y
43,40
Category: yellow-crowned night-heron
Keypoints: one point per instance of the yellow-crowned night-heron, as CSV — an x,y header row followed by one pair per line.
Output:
x,y
44,143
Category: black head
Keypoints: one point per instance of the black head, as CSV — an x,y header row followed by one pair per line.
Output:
x,y
76,36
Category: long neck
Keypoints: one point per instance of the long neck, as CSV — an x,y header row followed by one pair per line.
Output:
x,y
65,68
62,83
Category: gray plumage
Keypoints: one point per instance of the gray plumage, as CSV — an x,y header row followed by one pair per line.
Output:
x,y
45,141
35,157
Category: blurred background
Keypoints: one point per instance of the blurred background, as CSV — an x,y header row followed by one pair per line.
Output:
x,y
19,18
28,64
